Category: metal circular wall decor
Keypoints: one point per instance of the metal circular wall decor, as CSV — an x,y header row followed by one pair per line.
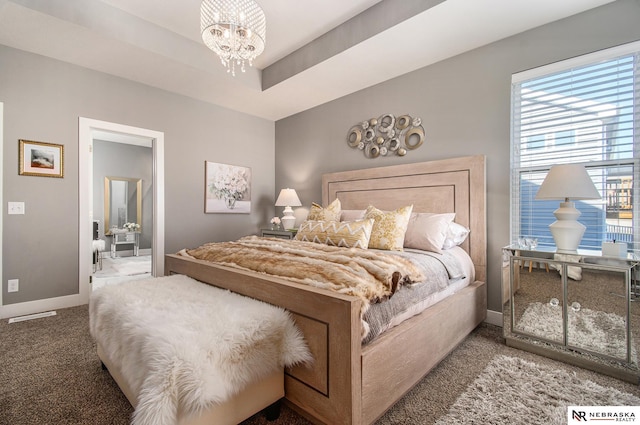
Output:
x,y
387,135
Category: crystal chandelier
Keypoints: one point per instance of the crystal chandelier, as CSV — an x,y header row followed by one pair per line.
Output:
x,y
234,29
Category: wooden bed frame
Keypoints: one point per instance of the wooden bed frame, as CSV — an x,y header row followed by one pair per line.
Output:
x,y
350,383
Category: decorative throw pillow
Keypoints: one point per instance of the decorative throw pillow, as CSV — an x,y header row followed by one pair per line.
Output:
x,y
389,227
456,234
428,231
330,213
349,234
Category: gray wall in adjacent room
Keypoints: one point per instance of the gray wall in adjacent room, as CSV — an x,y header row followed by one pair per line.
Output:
x,y
43,99
464,103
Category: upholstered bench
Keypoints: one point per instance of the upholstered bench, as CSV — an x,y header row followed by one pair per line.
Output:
x,y
264,394
184,352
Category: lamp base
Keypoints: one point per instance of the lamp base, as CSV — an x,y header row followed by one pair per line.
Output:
x,y
288,219
288,222
566,231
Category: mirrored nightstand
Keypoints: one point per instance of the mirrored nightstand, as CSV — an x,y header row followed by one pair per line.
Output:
x,y
125,238
582,308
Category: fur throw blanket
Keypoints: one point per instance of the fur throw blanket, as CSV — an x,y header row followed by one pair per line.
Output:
x,y
183,346
370,275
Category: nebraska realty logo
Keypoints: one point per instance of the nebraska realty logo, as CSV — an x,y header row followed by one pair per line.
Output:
x,y
582,414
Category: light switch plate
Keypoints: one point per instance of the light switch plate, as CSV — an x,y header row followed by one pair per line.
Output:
x,y
13,285
16,208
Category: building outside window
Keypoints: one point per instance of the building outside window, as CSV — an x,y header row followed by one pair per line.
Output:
x,y
583,110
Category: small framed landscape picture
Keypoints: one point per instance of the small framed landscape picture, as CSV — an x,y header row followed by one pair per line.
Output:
x,y
40,159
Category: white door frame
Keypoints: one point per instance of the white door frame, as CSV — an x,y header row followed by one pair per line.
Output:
x,y
1,186
85,197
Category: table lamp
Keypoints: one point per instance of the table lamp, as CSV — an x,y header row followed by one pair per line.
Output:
x,y
288,198
567,182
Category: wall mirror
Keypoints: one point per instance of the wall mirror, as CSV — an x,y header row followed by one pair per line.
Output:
x,y
122,202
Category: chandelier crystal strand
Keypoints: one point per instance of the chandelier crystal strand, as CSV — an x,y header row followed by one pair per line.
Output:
x,y
235,30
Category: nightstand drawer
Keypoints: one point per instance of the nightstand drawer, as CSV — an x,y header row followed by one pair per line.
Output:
x,y
282,234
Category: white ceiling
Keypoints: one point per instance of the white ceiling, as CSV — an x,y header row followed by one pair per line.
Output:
x,y
157,42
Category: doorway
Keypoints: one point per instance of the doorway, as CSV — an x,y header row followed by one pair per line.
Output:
x,y
90,130
122,208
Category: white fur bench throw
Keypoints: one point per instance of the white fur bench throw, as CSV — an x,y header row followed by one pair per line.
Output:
x,y
183,346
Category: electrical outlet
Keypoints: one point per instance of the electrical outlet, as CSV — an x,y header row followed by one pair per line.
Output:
x,y
13,285
15,208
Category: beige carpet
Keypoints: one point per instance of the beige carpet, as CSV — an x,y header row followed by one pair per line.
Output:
x,y
50,374
510,389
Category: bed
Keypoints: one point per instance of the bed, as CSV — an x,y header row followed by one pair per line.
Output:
x,y
344,385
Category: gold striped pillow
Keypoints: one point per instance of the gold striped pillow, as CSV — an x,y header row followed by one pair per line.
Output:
x,y
349,234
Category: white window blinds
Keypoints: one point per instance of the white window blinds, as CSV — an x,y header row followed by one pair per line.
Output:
x,y
584,110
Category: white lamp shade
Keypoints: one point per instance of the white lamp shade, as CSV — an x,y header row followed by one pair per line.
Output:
x,y
568,181
288,198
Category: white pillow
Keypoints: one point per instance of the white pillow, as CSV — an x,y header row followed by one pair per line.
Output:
x,y
456,234
427,231
352,215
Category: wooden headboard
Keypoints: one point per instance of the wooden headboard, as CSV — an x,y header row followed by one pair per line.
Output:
x,y
449,185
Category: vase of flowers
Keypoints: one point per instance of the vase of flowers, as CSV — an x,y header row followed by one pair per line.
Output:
x,y
230,202
275,223
131,227
229,184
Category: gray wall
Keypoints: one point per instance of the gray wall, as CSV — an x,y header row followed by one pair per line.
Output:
x,y
464,103
43,99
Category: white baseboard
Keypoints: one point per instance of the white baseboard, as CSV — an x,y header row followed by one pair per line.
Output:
x,y
38,306
494,318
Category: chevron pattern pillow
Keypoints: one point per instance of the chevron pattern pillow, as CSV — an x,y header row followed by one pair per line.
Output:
x,y
349,234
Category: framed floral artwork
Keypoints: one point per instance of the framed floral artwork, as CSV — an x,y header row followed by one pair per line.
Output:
x,y
227,188
40,159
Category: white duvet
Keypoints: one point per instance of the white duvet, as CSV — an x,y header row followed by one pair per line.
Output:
x,y
183,346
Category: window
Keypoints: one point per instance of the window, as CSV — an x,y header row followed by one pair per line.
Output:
x,y
584,110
